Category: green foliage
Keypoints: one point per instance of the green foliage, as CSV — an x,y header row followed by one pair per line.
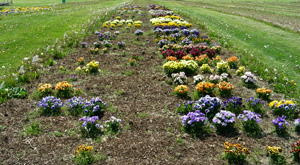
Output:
x,y
33,129
251,127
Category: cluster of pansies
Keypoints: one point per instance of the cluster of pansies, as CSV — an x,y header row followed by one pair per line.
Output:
x,y
16,10
91,67
122,23
133,10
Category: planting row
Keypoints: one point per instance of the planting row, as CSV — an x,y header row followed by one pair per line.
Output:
x,y
186,53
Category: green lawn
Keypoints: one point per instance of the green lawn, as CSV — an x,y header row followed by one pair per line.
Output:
x,y
22,34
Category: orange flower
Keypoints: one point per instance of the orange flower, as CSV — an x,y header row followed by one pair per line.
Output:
x,y
218,58
232,59
204,87
181,89
80,59
171,58
187,57
132,60
202,57
225,86
263,90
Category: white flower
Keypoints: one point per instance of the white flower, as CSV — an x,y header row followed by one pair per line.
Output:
x,y
35,59
1,86
21,70
3,67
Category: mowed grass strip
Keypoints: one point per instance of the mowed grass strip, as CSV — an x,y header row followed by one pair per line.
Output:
x,y
284,15
276,47
22,34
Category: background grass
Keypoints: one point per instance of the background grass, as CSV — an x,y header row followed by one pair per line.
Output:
x,y
22,34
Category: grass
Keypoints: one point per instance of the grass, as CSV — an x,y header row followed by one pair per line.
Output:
x,y
273,47
22,35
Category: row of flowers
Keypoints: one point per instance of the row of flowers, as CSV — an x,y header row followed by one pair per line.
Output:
x,y
23,10
90,109
237,154
197,114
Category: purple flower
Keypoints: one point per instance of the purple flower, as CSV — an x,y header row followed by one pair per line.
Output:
x,y
249,116
223,118
280,122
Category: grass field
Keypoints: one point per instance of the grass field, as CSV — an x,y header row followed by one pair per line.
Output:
x,y
22,34
276,47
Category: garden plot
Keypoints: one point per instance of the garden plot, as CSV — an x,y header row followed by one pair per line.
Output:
x,y
137,91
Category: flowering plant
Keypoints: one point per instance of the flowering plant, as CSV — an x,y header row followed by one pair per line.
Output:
x,y
185,107
94,107
234,104
132,62
250,122
186,41
233,62
215,60
84,44
240,71
138,32
275,155
210,53
94,50
188,57
50,105
179,78
92,67
296,151
112,126
206,69
223,67
189,67
107,44
171,58
204,88
281,125
217,48
98,44
283,107
195,52
182,90
64,89
208,105
198,78
80,61
75,105
162,42
224,121
297,125
83,155
168,52
89,126
263,93
214,78
225,88
255,105
45,89
121,44
235,153
249,79
194,122
202,59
